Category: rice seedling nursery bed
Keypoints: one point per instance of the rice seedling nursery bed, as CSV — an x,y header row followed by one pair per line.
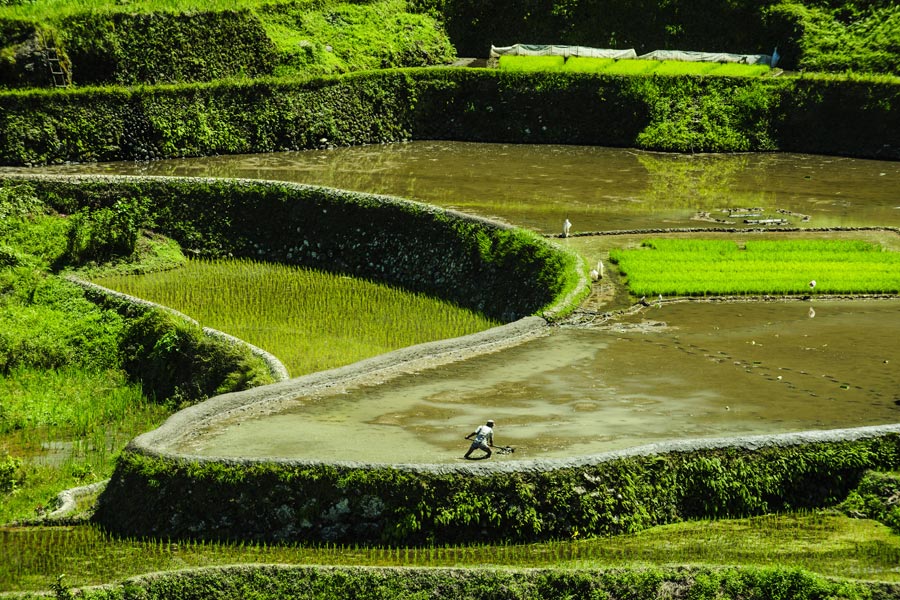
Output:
x,y
697,267
609,66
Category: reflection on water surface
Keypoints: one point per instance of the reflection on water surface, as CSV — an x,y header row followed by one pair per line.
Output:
x,y
597,189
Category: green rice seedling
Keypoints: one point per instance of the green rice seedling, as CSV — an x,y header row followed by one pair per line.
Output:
x,y
828,544
585,64
310,320
633,66
701,267
681,67
531,63
739,70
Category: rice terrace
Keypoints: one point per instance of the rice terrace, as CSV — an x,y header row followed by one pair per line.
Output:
x,y
266,266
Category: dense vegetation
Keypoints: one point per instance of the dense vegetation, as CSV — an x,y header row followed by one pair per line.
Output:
x,y
700,267
374,504
169,41
81,379
836,115
820,542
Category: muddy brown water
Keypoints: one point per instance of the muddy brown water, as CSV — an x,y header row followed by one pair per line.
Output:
x,y
597,189
674,371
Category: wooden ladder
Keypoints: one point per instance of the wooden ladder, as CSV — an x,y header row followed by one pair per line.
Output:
x,y
51,58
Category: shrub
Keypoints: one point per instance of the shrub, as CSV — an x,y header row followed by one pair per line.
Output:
x,y
877,497
175,362
99,235
9,473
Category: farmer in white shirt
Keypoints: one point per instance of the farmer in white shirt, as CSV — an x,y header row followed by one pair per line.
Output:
x,y
484,440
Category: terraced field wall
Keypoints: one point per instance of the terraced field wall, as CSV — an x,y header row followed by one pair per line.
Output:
x,y
166,494
854,116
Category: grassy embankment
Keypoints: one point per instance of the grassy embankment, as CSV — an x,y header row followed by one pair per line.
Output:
x,y
67,406
696,267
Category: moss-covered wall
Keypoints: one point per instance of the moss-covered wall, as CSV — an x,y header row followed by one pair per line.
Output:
x,y
847,116
504,272
173,496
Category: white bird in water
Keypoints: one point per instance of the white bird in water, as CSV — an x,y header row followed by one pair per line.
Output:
x,y
812,312
597,273
567,225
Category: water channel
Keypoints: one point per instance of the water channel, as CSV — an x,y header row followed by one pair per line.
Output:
x,y
675,370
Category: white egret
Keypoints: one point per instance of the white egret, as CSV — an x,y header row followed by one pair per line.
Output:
x,y
567,225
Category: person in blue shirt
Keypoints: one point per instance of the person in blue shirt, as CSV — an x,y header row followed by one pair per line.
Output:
x,y
483,440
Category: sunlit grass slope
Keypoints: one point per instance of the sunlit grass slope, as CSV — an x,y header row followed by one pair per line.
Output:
x,y
310,320
690,267
828,544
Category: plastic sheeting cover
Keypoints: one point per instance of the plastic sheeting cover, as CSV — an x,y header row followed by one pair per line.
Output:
x,y
684,55
551,50
717,57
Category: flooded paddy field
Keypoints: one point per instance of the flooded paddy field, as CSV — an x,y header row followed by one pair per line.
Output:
x,y
597,189
674,371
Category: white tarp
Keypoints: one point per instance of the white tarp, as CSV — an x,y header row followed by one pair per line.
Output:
x,y
716,57
551,50
685,55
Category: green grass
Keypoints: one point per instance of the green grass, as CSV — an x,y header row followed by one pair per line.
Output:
x,y
678,267
632,66
310,320
65,428
828,544
678,67
55,9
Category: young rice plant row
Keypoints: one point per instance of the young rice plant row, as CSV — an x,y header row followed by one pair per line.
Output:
x,y
630,66
310,320
674,267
